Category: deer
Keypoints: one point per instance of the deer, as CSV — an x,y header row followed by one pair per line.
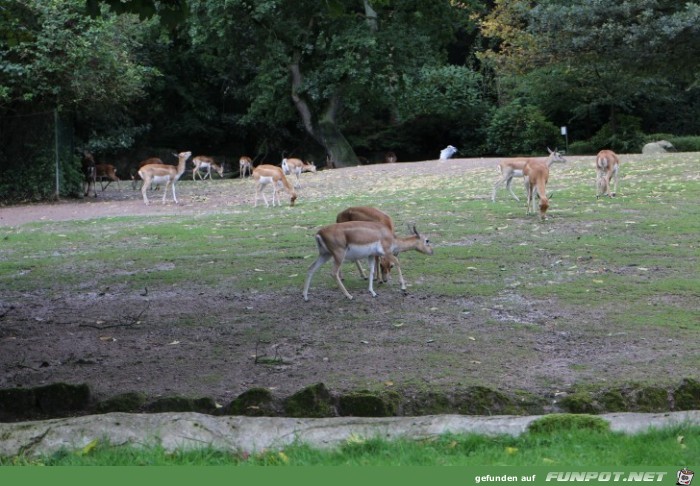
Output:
x,y
367,213
447,152
163,173
89,173
607,166
204,162
536,175
245,165
297,166
354,240
271,174
106,171
510,168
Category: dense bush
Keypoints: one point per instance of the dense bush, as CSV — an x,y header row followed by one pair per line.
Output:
x,y
520,129
623,135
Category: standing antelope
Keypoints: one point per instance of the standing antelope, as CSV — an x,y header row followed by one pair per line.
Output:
x,y
510,168
353,240
366,213
163,173
536,175
297,166
245,164
89,173
271,174
106,171
607,166
204,162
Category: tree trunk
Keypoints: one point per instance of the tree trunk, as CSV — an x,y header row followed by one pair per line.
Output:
x,y
326,131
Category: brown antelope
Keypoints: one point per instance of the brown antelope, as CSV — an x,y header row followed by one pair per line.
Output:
x,y
536,175
354,240
510,168
89,173
607,166
207,163
365,213
106,171
245,165
135,177
163,173
297,166
271,174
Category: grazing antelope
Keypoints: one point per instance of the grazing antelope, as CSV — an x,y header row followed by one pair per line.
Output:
x,y
271,174
447,152
366,213
207,163
163,173
354,240
607,166
245,164
297,166
510,168
536,175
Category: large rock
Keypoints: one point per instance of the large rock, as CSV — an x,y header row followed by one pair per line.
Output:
x,y
660,147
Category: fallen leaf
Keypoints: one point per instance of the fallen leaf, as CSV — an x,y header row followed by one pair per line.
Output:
x,y
107,338
173,343
511,450
89,447
472,338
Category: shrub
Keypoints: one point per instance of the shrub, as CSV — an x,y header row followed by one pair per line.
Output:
x,y
623,136
520,129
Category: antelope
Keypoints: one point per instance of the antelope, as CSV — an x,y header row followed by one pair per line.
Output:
x,y
366,213
510,168
297,166
163,173
390,158
447,152
204,162
89,173
354,240
536,175
271,174
135,175
607,166
245,164
107,171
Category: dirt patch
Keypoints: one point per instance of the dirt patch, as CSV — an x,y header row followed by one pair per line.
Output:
x,y
204,342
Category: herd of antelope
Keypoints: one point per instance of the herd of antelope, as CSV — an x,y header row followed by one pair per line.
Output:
x,y
360,232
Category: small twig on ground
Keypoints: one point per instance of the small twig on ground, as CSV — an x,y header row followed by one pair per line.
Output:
x,y
126,321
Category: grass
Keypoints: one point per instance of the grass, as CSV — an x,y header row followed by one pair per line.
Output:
x,y
552,446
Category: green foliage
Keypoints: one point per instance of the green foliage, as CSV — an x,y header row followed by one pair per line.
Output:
x,y
563,422
623,135
685,144
520,129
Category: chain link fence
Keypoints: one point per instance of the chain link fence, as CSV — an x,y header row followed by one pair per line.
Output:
x,y
38,160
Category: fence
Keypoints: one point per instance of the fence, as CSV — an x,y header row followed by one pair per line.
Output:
x,y
37,159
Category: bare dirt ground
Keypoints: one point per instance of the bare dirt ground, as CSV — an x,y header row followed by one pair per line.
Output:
x,y
416,343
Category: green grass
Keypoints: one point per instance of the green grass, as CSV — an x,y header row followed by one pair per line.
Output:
x,y
553,446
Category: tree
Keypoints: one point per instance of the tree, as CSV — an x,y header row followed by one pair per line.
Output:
x,y
326,64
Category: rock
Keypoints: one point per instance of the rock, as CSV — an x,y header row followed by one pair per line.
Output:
x,y
660,147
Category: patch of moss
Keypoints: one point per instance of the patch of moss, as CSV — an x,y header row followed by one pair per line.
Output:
x,y
124,402
480,400
651,399
60,398
16,403
312,401
256,402
687,395
613,401
429,403
559,422
369,404
182,404
579,402
527,403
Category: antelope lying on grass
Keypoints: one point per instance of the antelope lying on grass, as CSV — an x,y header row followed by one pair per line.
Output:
x,y
354,240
